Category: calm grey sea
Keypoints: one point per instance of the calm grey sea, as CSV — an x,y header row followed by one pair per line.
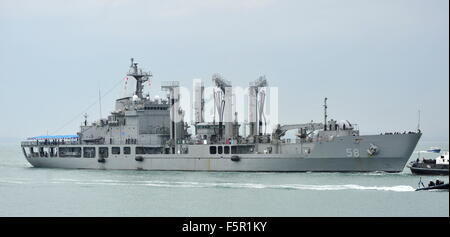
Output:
x,y
27,191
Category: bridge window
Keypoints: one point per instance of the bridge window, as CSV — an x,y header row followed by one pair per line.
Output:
x,y
242,149
115,150
234,150
148,150
212,150
103,152
126,150
226,150
219,149
89,152
70,152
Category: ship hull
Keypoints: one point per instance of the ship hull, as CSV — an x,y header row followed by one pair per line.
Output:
x,y
213,164
333,156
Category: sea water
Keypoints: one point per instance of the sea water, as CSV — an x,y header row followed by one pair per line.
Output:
x,y
28,191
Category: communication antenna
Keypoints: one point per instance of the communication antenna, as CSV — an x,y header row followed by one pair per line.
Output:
x,y
85,119
325,114
100,102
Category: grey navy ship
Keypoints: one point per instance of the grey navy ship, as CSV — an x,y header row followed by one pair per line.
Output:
x,y
150,134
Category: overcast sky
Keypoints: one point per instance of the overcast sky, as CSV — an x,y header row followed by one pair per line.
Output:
x,y
377,61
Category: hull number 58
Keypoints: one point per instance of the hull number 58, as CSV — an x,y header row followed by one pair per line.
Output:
x,y
352,152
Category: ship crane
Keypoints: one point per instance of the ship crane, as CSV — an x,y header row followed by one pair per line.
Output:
x,y
280,131
222,100
173,89
221,82
254,90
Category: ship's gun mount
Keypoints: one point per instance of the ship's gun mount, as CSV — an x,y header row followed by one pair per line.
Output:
x,y
305,129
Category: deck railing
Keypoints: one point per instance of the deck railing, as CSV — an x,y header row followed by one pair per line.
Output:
x,y
48,143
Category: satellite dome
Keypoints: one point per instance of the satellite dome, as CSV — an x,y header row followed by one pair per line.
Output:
x,y
135,98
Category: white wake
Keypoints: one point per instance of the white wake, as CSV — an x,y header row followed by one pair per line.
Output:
x,y
178,184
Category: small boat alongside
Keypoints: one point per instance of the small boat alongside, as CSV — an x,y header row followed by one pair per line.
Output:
x,y
438,166
438,185
434,150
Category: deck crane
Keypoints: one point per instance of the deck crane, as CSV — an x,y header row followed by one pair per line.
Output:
x,y
222,100
256,106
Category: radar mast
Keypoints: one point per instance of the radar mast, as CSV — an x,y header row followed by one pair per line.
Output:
x,y
140,76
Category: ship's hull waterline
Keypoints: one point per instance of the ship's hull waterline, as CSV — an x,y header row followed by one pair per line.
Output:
x,y
395,150
244,165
